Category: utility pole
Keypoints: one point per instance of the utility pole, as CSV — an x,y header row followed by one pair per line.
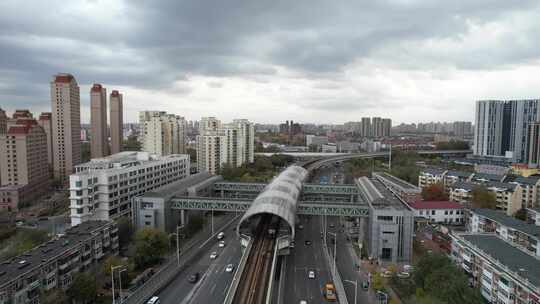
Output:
x,y
390,159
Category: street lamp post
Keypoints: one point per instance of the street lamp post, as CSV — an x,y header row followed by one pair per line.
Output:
x,y
178,243
355,283
112,280
120,289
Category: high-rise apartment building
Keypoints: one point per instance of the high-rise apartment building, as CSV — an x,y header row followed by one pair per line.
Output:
x,y
162,133
98,120
386,127
462,128
23,159
365,129
3,130
102,188
376,127
117,121
501,127
533,144
219,144
3,122
45,121
66,125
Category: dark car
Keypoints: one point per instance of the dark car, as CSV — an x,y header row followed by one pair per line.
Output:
x,y
193,278
308,242
332,225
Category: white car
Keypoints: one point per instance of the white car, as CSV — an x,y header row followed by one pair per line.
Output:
x,y
221,244
213,255
229,268
303,302
311,274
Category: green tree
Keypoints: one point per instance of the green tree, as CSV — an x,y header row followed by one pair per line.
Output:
x,y
195,223
377,281
482,198
125,231
84,289
54,296
85,152
113,261
434,192
192,154
521,214
452,145
150,246
132,144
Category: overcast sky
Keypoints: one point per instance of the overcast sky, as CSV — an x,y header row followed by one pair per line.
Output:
x,y
268,61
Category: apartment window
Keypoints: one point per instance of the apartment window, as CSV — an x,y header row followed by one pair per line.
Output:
x,y
78,184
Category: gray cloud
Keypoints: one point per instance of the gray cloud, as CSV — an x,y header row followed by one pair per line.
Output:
x,y
154,44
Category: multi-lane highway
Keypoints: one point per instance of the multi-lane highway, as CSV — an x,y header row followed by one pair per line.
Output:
x,y
213,282
305,257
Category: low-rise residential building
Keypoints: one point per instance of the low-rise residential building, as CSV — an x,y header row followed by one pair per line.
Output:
x,y
55,263
430,176
406,191
452,176
502,272
533,215
329,148
530,191
508,195
484,178
102,188
446,212
517,232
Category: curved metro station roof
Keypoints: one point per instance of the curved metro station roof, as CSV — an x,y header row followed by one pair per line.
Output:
x,y
279,197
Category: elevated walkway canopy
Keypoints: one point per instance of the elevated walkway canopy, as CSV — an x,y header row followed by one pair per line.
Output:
x,y
279,197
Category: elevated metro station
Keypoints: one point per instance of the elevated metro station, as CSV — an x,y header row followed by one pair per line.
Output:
x,y
284,199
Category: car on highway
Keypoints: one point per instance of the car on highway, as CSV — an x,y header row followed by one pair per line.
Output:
x,y
229,268
221,244
311,274
193,278
154,300
308,242
213,255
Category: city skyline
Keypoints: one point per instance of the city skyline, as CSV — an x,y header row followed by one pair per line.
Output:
x,y
330,63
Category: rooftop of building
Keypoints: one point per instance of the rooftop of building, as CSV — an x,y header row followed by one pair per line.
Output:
x,y
126,159
531,180
469,186
488,177
503,219
460,174
401,183
63,78
435,205
508,255
433,171
378,196
16,266
178,187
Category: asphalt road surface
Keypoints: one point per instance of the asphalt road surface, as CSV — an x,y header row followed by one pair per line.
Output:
x,y
305,258
213,282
